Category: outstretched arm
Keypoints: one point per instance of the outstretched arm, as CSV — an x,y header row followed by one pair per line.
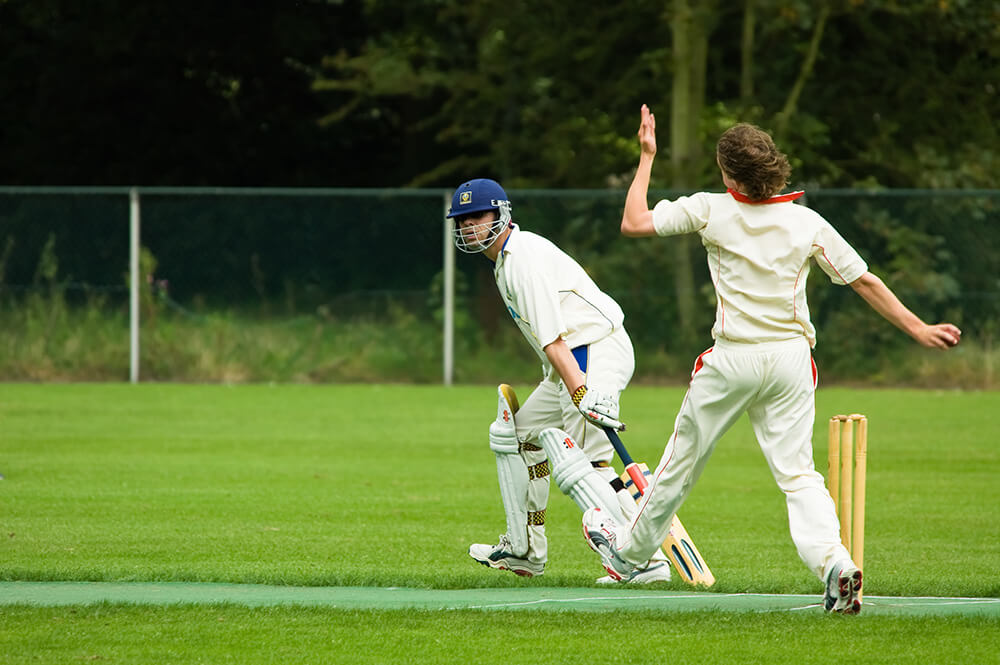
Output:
x,y
637,221
885,302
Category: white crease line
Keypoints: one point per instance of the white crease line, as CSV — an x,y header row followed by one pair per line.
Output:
x,y
883,601
942,602
574,600
539,601
972,598
805,607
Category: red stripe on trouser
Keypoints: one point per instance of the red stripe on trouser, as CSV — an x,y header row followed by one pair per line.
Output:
x,y
698,364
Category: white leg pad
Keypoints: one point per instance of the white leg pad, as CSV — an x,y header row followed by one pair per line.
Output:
x,y
627,503
575,475
512,474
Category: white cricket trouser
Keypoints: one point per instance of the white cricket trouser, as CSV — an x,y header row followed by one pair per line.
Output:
x,y
609,363
775,384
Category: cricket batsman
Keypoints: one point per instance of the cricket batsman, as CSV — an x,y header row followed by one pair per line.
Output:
x,y
587,360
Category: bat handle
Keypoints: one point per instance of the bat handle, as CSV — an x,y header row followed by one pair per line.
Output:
x,y
618,445
638,478
634,472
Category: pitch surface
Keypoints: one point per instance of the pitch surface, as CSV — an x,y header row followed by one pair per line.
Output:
x,y
551,599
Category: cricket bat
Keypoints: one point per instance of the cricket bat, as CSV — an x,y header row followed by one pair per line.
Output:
x,y
678,546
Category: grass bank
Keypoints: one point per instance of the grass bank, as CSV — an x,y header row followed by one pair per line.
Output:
x,y
44,338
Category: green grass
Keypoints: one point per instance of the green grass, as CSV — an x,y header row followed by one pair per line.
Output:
x,y
388,484
207,634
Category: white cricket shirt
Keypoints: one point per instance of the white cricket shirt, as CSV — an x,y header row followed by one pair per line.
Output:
x,y
758,254
549,295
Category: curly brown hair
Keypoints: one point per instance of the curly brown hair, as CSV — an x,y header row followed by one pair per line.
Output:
x,y
748,155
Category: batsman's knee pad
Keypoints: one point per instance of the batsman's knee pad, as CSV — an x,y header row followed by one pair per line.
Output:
x,y
503,434
512,472
575,475
568,463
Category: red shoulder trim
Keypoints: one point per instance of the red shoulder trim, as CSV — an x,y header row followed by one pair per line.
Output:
x,y
781,198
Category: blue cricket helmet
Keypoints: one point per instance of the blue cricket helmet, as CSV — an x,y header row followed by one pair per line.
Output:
x,y
476,196
479,195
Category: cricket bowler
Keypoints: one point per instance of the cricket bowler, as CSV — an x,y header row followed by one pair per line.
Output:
x,y
760,244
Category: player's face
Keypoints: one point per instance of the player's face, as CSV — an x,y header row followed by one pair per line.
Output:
x,y
476,227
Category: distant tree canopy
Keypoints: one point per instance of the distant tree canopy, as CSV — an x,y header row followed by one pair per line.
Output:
x,y
376,93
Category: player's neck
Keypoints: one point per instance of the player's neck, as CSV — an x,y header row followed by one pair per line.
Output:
x,y
493,251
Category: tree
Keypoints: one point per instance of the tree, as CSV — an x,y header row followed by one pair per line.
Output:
x,y
112,92
422,93
690,25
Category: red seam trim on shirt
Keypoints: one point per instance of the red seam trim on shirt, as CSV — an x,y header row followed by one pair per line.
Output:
x,y
823,252
722,303
795,291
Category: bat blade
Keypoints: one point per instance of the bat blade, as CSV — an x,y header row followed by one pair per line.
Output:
x,y
687,560
678,546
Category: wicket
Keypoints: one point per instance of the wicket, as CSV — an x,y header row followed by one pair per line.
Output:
x,y
849,439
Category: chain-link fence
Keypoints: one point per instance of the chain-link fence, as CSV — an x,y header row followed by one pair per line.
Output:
x,y
338,285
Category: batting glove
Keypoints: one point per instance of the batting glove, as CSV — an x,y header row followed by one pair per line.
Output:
x,y
598,407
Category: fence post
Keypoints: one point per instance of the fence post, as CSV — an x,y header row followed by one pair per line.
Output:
x,y
134,284
449,294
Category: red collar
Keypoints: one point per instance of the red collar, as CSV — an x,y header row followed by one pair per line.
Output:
x,y
781,198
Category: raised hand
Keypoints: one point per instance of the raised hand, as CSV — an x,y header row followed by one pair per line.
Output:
x,y
647,131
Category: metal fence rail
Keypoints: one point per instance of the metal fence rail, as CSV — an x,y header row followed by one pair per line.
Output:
x,y
297,250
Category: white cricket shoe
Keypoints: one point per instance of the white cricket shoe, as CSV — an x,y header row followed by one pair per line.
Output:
x,y
654,572
601,532
843,589
499,556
